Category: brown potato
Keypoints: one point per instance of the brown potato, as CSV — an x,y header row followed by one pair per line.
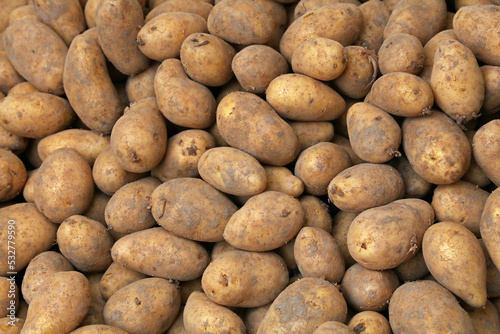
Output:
x,y
89,11
10,296
485,146
254,316
141,85
486,319
281,179
7,8
12,175
116,277
188,287
341,222
492,274
95,313
489,226
491,75
10,326
22,87
198,7
346,144
98,329
401,53
430,50
376,15
304,6
311,133
29,186
333,327
412,269
369,322
220,248
415,185
96,209
8,74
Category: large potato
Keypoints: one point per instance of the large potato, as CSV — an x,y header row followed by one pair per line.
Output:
x,y
489,226
375,16
12,175
486,149
430,50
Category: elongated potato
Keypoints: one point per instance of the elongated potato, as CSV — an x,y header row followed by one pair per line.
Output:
x,y
489,226
430,50
375,17
281,179
485,146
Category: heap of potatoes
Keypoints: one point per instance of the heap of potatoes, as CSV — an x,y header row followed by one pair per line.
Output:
x,y
249,166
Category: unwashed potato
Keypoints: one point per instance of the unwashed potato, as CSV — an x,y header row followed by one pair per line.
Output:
x,y
369,322
29,186
198,7
365,186
89,11
485,320
492,274
8,7
281,179
148,305
486,148
116,277
301,98
8,74
491,76
141,85
188,287
415,185
438,308
318,301
375,16
304,6
12,175
489,226
254,316
12,142
10,296
340,226
98,329
266,221
22,87
430,50
412,269
63,171
11,327
178,258
333,327
311,133
346,144
95,313
280,18
401,53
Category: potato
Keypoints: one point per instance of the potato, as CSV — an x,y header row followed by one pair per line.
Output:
x,y
12,175
333,327
35,115
460,202
135,251
41,268
368,290
254,316
29,186
281,179
360,73
162,36
430,50
95,314
65,17
201,315
220,248
98,106
183,101
369,322
63,171
415,185
188,287
148,305
115,278
485,147
241,22
376,14
42,66
318,255
10,296
303,306
436,148
118,33
477,23
245,279
492,274
412,269
89,11
248,123
60,304
457,81
320,58
198,7
23,12
256,66
485,320
286,253
345,143
301,98
422,19
8,74
98,329
340,226
22,87
9,326
425,306
401,53
489,226
491,75
139,138
365,186
141,85
318,164
8,7
311,133
340,22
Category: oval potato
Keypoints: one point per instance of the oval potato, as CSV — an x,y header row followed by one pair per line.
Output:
x,y
486,146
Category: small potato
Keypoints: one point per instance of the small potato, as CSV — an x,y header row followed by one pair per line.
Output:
x,y
376,15
141,85
89,11
118,33
374,135
248,123
201,315
485,320
346,144
318,164
365,186
29,186
98,329
492,274
35,115
14,143
178,259
10,296
311,133
115,278
240,22
8,74
256,66
281,179
41,268
412,269
301,98
96,209
41,66
192,208
486,148
254,316
266,221
415,185
129,209
198,7
12,175
162,36
320,58
95,314
149,305
63,171
491,75
188,287
220,248
245,279
401,53
369,322
304,6
22,87
489,226
286,252
360,73
60,304
318,301
368,290
318,255
316,213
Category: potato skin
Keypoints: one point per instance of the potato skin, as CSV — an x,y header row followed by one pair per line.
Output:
x,y
141,85
311,133
491,75
375,17
281,179
485,146
371,322
12,175
245,279
8,74
489,226
266,221
191,208
98,329
415,185
198,7
401,53
115,278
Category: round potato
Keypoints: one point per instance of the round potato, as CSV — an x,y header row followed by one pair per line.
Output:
x,y
12,175
281,179
370,322
311,133
376,15
401,53
486,146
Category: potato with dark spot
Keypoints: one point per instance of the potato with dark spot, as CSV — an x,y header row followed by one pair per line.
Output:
x,y
12,175
430,50
375,17
115,278
369,322
311,133
486,148
401,53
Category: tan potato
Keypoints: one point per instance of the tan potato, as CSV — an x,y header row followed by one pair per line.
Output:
x,y
98,329
8,74
457,81
316,213
489,226
29,186
369,322
360,73
485,146
135,251
333,327
11,326
492,274
7,8
89,11
376,15
365,186
485,320
42,66
401,53
304,6
415,185
22,87
254,316
202,315
10,296
491,75
412,269
281,179
430,50
96,209
240,22
318,255
141,85
12,142
35,115
248,123
301,98
256,66
22,12
162,36
98,106
340,22
188,287
266,221
220,248
118,33
436,148
346,144
12,175
198,7
280,19
115,278
318,164
318,301
95,314
311,133
245,279
455,259
61,173
320,58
